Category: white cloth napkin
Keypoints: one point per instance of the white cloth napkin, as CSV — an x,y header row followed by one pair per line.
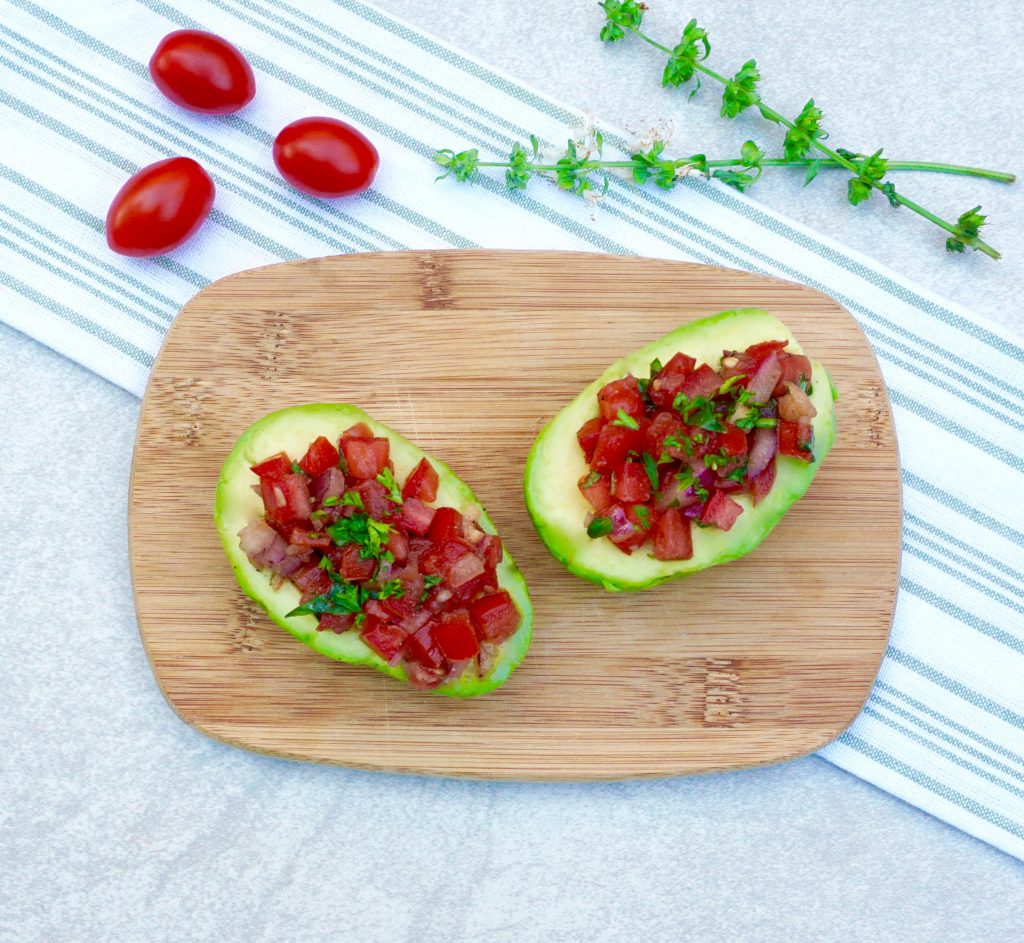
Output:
x,y
944,727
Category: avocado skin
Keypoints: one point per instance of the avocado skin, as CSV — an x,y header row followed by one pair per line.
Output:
x,y
292,430
555,463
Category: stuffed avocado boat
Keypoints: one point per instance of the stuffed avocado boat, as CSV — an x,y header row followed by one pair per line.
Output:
x,y
682,455
370,552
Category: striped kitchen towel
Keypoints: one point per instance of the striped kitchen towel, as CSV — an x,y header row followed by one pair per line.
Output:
x,y
944,727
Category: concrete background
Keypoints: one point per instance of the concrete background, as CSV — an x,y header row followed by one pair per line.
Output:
x,y
119,823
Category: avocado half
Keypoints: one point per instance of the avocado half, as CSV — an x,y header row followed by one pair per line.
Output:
x,y
291,430
556,463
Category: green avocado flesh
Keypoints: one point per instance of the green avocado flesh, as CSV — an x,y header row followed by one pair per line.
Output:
x,y
556,463
292,430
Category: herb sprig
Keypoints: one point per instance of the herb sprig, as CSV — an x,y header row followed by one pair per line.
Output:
x,y
581,169
686,61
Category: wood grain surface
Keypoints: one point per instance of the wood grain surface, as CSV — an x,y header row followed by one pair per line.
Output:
x,y
469,354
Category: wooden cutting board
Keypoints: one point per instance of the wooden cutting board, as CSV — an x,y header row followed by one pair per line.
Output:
x,y
469,354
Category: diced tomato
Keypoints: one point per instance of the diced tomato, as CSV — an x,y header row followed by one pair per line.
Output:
x,y
320,456
794,368
420,647
304,537
621,395
796,440
670,380
598,493
721,511
366,458
455,636
494,616
491,550
286,499
416,517
359,431
329,622
757,352
679,365
376,502
446,525
664,425
421,483
385,638
762,483
353,566
274,468
672,537
732,442
614,444
632,486
398,544
311,580
588,435
704,381
438,559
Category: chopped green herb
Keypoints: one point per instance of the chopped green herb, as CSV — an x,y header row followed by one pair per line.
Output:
x,y
429,582
344,598
389,589
651,467
656,366
699,411
730,383
369,535
738,473
644,385
387,479
297,469
643,515
625,420
325,564
599,527
348,499
592,479
679,442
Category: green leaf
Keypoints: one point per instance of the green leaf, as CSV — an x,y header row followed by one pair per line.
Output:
x,y
599,527
812,171
741,90
800,138
387,479
620,15
343,598
363,531
692,48
461,166
651,467
643,515
857,191
625,420
389,589
968,227
592,479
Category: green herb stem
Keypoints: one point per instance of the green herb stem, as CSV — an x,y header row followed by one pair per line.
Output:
x,y
772,115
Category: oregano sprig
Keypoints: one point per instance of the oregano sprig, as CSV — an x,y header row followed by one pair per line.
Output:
x,y
686,61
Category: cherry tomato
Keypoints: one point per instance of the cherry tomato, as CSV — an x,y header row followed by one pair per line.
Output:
x,y
325,157
202,72
159,208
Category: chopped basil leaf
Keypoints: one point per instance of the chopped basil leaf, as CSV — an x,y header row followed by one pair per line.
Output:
x,y
391,588
599,527
651,467
369,535
344,598
387,479
297,469
730,383
592,479
737,474
625,420
325,564
643,514
429,582
656,366
699,411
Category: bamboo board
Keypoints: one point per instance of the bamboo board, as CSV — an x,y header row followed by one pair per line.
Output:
x,y
469,354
